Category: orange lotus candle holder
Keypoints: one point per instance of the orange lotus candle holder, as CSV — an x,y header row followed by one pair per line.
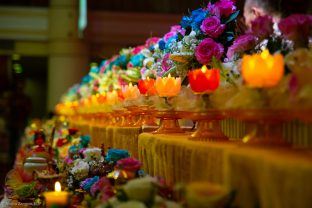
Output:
x,y
204,80
130,92
168,86
262,70
147,86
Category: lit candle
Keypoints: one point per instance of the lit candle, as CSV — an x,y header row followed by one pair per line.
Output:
x,y
204,80
262,70
130,92
168,86
147,86
57,197
112,97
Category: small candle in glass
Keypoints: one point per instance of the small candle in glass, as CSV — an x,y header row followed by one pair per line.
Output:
x,y
57,197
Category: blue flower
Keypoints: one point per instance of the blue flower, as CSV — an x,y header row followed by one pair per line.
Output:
x,y
185,22
169,41
84,141
137,60
86,79
198,17
94,69
113,155
86,184
73,150
121,61
162,44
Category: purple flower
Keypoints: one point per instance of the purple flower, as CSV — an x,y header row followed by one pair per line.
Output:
x,y
207,49
296,27
222,8
241,44
165,65
262,27
87,184
212,26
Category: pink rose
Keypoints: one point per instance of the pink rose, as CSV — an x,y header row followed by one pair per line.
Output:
x,y
212,26
137,49
241,44
262,26
129,164
151,41
169,35
207,49
222,8
297,27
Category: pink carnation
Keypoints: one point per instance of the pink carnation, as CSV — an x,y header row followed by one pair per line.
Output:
x,y
129,164
242,44
207,49
262,26
212,26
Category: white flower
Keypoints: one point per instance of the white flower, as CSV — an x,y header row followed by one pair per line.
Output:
x,y
92,154
146,52
80,169
140,189
148,62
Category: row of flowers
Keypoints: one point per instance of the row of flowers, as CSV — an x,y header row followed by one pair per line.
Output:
x,y
207,37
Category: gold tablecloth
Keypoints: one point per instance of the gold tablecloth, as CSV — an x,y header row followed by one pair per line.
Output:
x,y
264,178
116,137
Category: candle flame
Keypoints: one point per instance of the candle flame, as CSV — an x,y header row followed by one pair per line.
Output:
x,y
169,76
265,54
251,64
130,84
148,78
204,68
57,186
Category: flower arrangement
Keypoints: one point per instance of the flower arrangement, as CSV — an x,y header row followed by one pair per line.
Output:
x,y
291,32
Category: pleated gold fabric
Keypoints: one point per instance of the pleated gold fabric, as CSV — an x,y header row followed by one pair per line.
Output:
x,y
262,177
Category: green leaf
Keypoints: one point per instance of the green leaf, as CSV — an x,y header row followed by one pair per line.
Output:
x,y
180,36
232,17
